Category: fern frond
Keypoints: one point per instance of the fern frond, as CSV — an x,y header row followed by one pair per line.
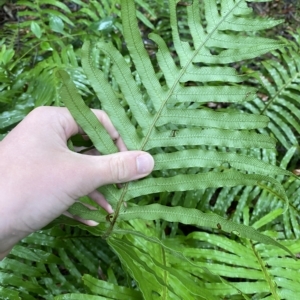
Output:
x,y
161,109
52,262
280,85
254,264
218,266
266,212
159,104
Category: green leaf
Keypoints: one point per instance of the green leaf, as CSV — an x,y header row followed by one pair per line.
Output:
x,y
17,281
164,118
9,294
6,55
196,217
279,80
78,209
46,46
213,159
202,181
105,92
138,269
36,29
58,4
267,218
56,24
23,269
105,25
110,290
86,118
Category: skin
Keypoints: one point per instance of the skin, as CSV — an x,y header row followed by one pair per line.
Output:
x,y
41,178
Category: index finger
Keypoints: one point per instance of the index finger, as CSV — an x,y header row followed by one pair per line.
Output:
x,y
110,128
70,127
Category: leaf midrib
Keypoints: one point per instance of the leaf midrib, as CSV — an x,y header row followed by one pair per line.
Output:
x,y
159,112
279,92
182,72
268,278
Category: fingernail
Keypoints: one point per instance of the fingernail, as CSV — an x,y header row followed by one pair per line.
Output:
x,y
92,223
144,163
109,209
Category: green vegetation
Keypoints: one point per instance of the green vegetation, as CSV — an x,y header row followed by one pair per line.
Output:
x,y
196,86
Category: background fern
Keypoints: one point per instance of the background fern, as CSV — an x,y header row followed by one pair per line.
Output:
x,y
52,262
279,79
43,30
174,258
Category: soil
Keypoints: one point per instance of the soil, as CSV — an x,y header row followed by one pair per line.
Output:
x,y
286,10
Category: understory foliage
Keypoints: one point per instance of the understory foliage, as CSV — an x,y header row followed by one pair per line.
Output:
x,y
218,218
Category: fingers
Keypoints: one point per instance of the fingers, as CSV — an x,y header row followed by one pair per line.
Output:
x,y
104,120
86,222
124,166
87,172
71,128
63,123
91,172
60,119
99,199
110,128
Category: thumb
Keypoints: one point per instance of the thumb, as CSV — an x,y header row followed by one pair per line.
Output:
x,y
116,168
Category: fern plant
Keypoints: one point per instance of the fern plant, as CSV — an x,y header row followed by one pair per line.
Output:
x,y
159,104
195,148
201,265
170,115
52,262
279,79
31,50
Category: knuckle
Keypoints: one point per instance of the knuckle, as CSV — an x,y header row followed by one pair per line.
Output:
x,y
37,116
118,169
41,113
41,110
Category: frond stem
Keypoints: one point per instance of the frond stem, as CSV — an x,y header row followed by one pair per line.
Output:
x,y
116,213
285,86
182,72
132,20
268,278
165,289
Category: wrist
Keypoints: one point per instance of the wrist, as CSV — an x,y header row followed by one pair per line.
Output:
x,y
9,235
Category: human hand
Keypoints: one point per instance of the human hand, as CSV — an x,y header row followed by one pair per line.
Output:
x,y
41,178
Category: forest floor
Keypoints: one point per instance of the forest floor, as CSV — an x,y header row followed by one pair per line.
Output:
x,y
286,10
